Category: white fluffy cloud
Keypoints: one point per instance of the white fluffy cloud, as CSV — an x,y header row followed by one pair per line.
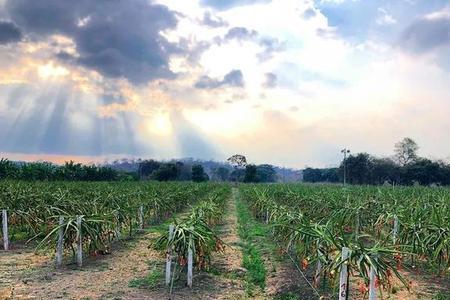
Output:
x,y
327,91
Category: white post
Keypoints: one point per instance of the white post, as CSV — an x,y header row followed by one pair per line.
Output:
x,y
267,216
395,231
343,278
117,229
169,256
372,288
5,230
190,264
60,244
141,217
79,243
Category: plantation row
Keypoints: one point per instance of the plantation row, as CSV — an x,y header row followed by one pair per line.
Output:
x,y
372,231
191,240
97,213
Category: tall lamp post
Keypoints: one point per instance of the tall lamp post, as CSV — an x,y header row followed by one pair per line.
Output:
x,y
345,151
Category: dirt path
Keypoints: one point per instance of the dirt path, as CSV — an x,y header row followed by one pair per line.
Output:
x,y
107,277
24,275
223,281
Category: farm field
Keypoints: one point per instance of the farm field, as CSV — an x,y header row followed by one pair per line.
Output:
x,y
263,241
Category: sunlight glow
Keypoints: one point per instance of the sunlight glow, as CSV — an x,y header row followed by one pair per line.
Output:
x,y
160,125
50,70
225,122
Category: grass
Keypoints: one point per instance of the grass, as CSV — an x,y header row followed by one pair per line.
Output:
x,y
251,233
151,281
441,296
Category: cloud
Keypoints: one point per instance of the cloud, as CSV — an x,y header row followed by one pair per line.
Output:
x,y
270,45
385,18
213,21
270,80
9,33
233,79
309,13
427,33
118,39
226,4
240,33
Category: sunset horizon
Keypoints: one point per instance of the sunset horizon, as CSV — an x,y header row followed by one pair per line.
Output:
x,y
289,83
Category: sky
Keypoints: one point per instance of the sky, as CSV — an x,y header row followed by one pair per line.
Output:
x,y
285,82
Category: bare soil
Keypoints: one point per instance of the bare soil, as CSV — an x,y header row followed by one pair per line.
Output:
x,y
26,275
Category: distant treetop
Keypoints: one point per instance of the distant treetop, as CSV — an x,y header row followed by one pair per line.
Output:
x,y
237,160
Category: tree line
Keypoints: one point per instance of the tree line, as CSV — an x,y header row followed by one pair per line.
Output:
x,y
171,171
405,168
182,171
71,171
146,170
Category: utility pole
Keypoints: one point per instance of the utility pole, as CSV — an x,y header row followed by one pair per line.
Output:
x,y
345,151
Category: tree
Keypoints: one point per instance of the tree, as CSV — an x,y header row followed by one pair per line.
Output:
x,y
8,169
320,175
406,151
71,171
250,174
184,171
358,168
422,171
330,175
237,175
221,174
166,172
198,174
384,170
105,174
444,173
265,173
237,160
39,171
147,167
312,175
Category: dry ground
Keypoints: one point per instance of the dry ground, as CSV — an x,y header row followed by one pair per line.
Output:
x,y
26,275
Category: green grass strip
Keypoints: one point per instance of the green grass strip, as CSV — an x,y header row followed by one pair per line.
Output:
x,y
252,235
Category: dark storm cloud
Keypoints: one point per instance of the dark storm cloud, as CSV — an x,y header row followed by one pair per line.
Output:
x,y
116,38
270,80
9,33
213,21
226,4
232,79
426,34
